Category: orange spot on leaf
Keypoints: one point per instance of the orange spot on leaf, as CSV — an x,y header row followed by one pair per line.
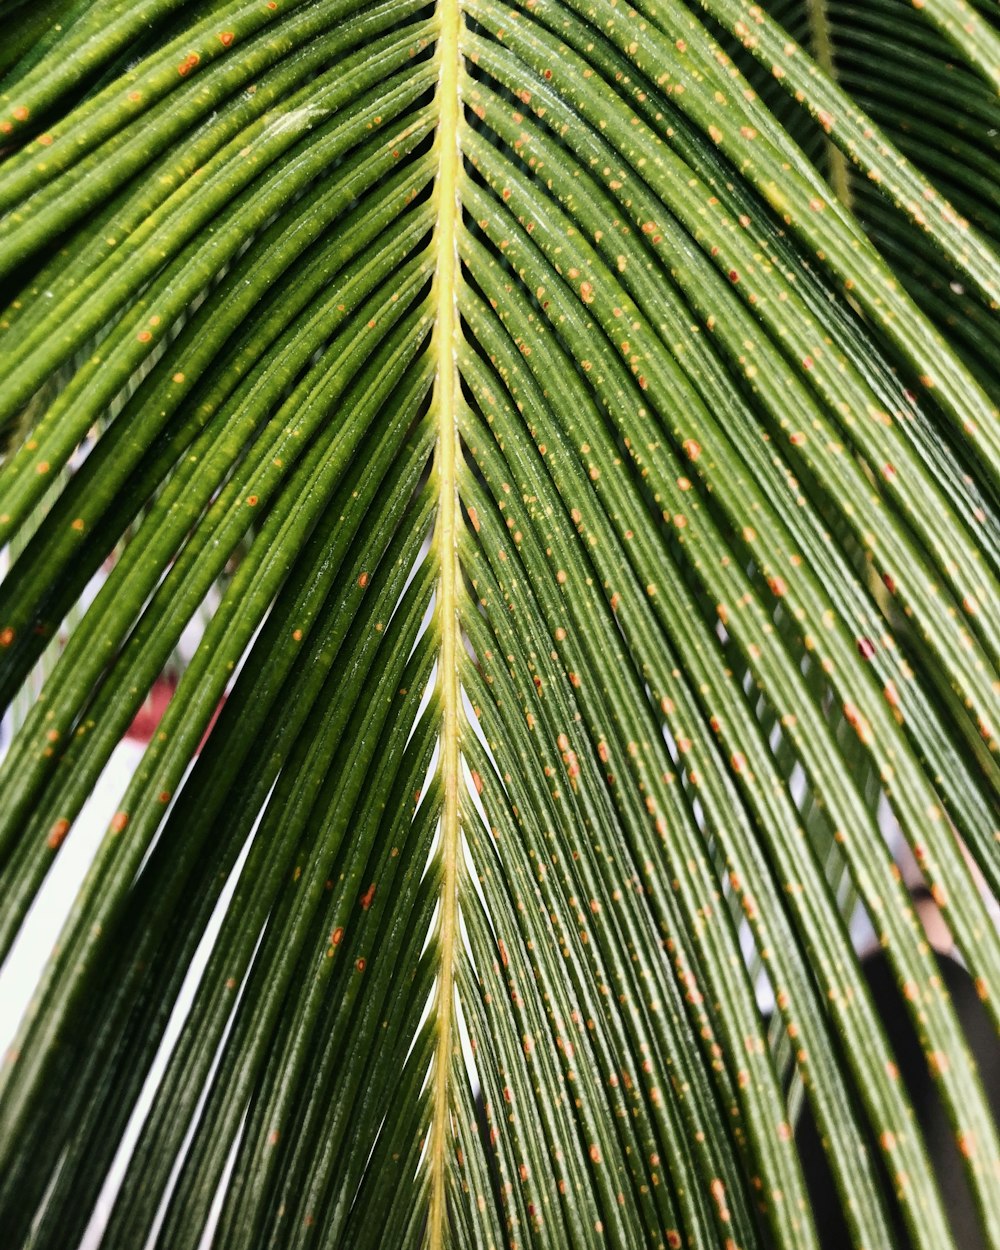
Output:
x,y
57,834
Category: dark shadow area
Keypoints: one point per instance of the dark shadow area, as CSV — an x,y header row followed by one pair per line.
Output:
x,y
933,1121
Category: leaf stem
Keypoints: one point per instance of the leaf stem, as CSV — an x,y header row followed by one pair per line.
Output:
x,y
446,538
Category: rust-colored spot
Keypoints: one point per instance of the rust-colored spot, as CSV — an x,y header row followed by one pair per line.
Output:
x,y
360,964
144,336
297,635
363,580
866,648
164,796
253,501
595,1154
57,834
477,781
6,636
118,821
474,518
45,140
858,722
366,898
336,936
937,1062
77,525
226,38
718,1192
20,112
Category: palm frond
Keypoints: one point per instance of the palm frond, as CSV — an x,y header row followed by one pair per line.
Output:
x,y
586,417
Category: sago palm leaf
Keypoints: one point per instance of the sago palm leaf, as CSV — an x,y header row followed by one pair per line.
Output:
x,y
615,505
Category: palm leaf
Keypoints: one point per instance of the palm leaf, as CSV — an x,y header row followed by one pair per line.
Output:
x,y
591,414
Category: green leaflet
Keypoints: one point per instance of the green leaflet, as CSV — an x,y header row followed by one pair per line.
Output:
x,y
587,417
897,67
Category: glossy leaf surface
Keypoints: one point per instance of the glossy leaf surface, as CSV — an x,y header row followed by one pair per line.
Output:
x,y
585,418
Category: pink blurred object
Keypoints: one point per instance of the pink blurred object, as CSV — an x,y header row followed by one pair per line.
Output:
x,y
148,717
